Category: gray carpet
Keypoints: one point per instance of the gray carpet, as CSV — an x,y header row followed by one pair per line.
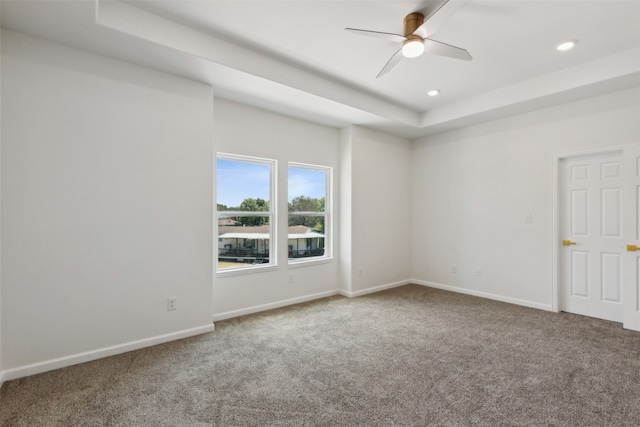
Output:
x,y
407,356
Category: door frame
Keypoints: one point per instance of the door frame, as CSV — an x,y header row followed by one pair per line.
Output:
x,y
556,246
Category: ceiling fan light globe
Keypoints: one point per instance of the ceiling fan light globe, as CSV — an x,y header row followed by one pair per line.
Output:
x,y
412,48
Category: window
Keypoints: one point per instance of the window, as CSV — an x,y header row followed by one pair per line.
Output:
x,y
245,212
308,234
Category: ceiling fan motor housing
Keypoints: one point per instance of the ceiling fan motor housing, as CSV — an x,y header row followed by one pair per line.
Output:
x,y
411,22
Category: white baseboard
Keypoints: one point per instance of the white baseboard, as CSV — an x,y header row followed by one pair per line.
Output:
x,y
525,303
278,304
63,362
374,289
270,306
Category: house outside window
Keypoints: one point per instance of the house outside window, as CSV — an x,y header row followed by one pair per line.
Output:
x,y
309,216
246,217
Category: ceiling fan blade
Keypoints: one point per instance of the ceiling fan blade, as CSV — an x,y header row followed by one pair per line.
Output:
x,y
378,34
435,20
392,62
442,49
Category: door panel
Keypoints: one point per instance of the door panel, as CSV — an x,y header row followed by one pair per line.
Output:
x,y
579,212
610,212
579,172
611,277
611,170
580,274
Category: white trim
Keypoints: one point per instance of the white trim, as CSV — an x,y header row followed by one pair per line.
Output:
x,y
516,301
375,289
306,262
247,159
62,362
555,233
278,304
593,151
270,306
241,270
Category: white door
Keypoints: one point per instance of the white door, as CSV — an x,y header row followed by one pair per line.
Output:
x,y
593,234
631,258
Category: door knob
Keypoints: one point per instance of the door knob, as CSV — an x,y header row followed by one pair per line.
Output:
x,y
632,248
568,243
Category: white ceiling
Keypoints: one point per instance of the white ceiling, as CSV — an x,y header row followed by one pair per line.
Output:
x,y
294,56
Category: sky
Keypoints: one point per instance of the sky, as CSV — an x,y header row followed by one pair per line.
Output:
x,y
306,182
237,181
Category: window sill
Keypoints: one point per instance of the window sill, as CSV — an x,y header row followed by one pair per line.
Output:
x,y
309,262
245,270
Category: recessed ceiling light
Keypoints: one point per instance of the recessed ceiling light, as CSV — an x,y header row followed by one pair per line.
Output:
x,y
568,45
433,92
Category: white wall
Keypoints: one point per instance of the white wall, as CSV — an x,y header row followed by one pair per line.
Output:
x,y
472,188
106,206
244,130
380,210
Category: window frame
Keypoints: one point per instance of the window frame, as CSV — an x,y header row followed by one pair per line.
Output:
x,y
271,214
327,214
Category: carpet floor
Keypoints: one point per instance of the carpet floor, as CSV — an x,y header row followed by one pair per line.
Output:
x,y
409,356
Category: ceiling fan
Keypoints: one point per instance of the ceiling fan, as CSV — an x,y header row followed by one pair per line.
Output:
x,y
416,39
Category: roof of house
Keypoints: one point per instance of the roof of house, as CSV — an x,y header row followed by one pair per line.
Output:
x,y
227,222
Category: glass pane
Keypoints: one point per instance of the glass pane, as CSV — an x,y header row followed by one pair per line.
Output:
x,y
304,240
242,246
242,185
314,223
307,190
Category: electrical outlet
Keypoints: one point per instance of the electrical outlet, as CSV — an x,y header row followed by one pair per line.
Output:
x,y
479,271
171,303
528,218
360,272
454,269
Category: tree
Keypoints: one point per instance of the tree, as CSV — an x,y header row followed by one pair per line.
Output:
x,y
254,205
303,204
320,225
307,204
